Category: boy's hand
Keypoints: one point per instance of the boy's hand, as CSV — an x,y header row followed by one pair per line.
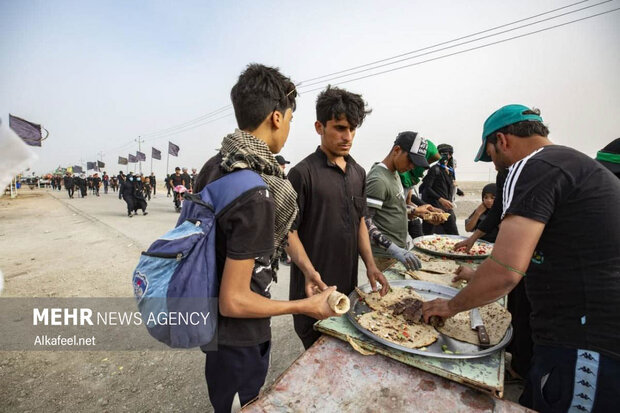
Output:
x,y
481,208
314,284
446,205
374,276
466,244
317,306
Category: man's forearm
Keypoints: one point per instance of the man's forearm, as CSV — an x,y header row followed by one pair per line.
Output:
x,y
237,300
252,305
375,234
297,252
363,246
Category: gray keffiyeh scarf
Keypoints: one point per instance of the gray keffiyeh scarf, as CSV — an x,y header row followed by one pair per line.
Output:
x,y
241,150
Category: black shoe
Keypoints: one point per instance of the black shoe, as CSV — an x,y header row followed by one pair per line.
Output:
x,y
129,215
144,213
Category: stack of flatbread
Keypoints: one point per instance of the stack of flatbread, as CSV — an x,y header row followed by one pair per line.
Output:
x,y
384,323
496,321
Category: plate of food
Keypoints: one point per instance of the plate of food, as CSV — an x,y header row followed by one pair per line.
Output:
x,y
395,321
443,246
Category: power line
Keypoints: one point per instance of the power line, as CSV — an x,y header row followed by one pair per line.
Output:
x,y
468,50
204,119
442,43
188,128
453,46
205,116
197,122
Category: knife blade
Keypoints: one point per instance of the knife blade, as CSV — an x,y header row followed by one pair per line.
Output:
x,y
478,325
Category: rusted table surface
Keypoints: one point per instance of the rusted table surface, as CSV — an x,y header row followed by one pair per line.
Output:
x,y
332,377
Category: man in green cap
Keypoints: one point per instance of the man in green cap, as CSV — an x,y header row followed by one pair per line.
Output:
x,y
552,199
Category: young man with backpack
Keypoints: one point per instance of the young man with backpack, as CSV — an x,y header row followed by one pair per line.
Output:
x,y
250,234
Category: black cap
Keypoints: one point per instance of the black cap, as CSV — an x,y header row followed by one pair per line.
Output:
x,y
415,145
444,147
177,169
280,159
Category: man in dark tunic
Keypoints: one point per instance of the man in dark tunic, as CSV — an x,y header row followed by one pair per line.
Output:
x,y
331,195
69,184
127,193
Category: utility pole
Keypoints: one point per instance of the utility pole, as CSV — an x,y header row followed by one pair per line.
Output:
x,y
140,142
83,166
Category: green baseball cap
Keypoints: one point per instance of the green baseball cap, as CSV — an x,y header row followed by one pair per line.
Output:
x,y
501,118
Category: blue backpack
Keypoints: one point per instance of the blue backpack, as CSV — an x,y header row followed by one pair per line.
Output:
x,y
176,283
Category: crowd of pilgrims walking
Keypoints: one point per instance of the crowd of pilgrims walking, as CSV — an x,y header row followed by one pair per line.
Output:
x,y
135,189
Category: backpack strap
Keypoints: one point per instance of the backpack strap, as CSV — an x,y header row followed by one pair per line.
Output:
x,y
231,186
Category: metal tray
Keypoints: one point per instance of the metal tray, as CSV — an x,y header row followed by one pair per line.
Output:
x,y
429,291
447,254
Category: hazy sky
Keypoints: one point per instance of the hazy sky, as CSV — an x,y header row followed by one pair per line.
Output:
x,y
98,74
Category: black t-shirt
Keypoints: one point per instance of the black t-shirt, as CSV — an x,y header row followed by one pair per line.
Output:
x,y
573,281
244,230
437,183
491,235
494,216
178,180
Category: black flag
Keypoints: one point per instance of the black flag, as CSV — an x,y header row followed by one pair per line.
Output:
x,y
90,165
140,156
28,131
156,154
122,161
77,169
100,164
173,149
132,159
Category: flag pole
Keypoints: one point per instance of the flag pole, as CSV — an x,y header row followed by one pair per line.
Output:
x,y
167,160
139,140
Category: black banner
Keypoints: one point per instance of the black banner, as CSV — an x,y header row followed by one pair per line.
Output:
x,y
173,149
91,165
28,131
140,156
132,159
122,161
155,154
77,169
101,164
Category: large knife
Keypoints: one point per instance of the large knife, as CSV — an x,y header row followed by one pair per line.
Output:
x,y
478,325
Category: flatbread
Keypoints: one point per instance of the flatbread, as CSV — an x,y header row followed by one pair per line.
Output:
x,y
339,302
496,321
428,216
396,330
395,295
441,267
441,279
